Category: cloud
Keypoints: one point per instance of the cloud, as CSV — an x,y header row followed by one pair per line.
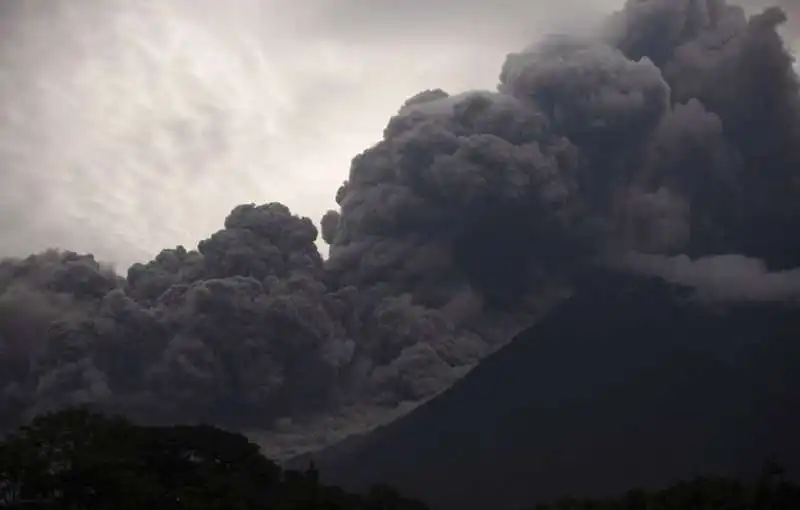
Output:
x,y
458,224
127,126
722,277
504,21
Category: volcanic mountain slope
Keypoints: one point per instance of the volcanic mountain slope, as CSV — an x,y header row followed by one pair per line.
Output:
x,y
632,382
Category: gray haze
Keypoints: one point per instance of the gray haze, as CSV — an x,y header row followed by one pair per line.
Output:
x,y
127,126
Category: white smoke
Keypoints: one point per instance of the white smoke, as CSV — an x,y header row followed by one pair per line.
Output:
x,y
728,277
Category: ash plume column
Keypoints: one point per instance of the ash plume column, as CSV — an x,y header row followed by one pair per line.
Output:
x,y
716,59
633,136
636,140
473,214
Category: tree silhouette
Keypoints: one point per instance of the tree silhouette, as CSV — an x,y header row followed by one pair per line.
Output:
x,y
769,492
77,459
80,460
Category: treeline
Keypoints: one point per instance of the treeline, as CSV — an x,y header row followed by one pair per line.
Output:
x,y
78,460
770,492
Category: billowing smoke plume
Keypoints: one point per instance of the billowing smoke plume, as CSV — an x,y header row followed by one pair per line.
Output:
x,y
721,277
675,132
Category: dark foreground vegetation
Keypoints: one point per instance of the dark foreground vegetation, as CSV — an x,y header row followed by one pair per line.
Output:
x,y
771,492
76,459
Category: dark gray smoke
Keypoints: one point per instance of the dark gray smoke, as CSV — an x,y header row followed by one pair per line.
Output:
x,y
674,132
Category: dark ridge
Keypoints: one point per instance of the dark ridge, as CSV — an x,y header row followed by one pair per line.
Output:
x,y
628,384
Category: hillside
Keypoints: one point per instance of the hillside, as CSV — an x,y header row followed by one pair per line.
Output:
x,y
629,383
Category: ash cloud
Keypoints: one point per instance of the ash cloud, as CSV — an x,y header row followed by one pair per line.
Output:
x,y
467,221
722,277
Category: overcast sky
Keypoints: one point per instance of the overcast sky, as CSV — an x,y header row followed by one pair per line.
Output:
x,y
127,126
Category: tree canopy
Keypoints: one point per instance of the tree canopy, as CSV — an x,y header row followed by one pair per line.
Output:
x,y
78,459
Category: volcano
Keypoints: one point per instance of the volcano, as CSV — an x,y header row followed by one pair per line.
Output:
x,y
630,383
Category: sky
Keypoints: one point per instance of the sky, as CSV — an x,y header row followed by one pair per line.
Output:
x,y
128,126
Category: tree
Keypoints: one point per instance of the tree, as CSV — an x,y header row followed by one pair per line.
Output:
x,y
78,459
